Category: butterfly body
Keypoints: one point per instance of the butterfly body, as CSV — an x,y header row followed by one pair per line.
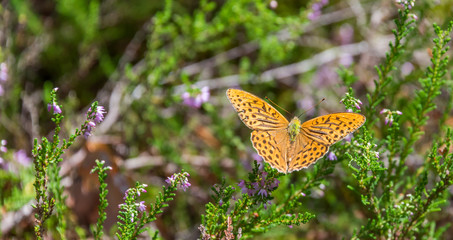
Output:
x,y
294,128
290,146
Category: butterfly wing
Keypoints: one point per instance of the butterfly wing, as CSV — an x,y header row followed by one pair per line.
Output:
x,y
331,128
272,147
305,153
254,112
318,134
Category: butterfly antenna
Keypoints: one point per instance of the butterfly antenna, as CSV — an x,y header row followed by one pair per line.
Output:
x,y
277,105
322,100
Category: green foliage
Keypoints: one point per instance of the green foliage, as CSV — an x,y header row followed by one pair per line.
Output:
x,y
102,175
161,69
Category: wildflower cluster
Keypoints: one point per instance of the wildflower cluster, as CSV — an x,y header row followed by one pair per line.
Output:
x,y
348,100
316,9
133,214
261,187
195,97
53,107
3,77
94,117
390,115
179,180
47,155
406,3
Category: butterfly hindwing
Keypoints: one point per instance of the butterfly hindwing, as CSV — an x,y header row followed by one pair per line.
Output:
x,y
306,154
271,146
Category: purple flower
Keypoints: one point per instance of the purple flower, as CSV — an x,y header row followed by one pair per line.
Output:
x,y
53,107
141,207
383,111
303,194
332,156
3,146
316,7
389,116
171,179
263,193
95,118
243,187
346,34
406,3
274,184
3,164
220,202
406,69
98,114
273,4
290,226
197,100
3,72
22,158
180,180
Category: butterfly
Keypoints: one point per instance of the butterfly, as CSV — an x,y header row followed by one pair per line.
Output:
x,y
290,146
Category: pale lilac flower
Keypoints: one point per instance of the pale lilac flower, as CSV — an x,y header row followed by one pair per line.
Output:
x,y
406,3
3,164
346,34
263,193
54,108
389,118
22,158
303,194
290,226
141,207
98,114
3,72
349,100
3,146
220,202
197,100
406,69
95,119
273,4
348,138
316,7
180,180
332,156
325,76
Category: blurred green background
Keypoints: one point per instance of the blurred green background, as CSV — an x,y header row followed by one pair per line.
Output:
x,y
138,58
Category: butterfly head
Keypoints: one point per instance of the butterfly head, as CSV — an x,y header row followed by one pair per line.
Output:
x,y
294,128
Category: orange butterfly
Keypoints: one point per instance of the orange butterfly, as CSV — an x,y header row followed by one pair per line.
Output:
x,y
290,146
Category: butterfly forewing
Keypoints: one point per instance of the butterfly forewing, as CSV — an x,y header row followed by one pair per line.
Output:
x,y
331,128
254,112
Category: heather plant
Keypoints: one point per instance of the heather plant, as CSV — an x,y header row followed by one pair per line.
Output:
x,y
167,156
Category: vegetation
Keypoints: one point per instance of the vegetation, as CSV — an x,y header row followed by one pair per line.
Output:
x,y
114,120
